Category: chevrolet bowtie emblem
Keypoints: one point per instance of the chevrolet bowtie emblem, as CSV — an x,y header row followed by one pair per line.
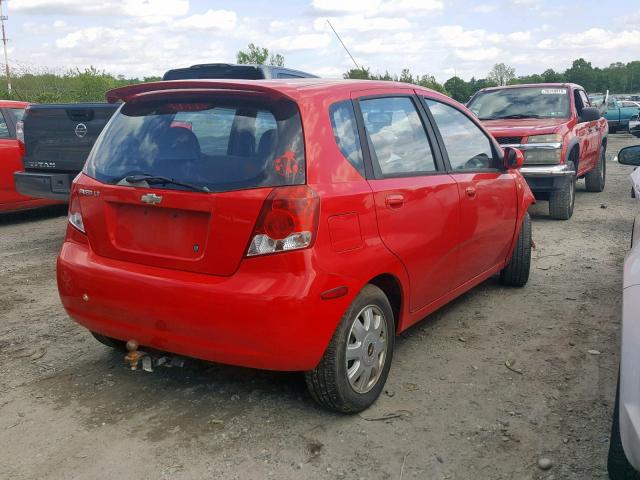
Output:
x,y
151,198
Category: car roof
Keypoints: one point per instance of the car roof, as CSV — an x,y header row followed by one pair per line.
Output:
x,y
295,89
573,86
13,104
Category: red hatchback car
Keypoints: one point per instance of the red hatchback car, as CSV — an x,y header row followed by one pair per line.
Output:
x,y
288,225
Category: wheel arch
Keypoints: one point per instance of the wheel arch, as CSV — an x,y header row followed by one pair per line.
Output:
x,y
574,145
392,288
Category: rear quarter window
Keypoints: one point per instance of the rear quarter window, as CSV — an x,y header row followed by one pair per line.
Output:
x,y
345,132
223,143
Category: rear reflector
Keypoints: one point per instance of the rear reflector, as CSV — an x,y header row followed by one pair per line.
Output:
x,y
288,221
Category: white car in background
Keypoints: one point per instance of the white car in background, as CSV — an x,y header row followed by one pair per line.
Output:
x,y
624,449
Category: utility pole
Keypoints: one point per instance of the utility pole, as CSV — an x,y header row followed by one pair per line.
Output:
x,y
3,17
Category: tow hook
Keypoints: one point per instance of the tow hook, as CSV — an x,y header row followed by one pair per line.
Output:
x,y
134,355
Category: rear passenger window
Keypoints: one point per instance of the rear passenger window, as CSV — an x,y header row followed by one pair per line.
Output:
x,y
4,131
345,131
467,146
396,136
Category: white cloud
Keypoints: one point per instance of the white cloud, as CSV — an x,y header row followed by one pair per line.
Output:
x,y
307,41
344,6
359,23
372,8
478,54
90,35
211,19
485,8
146,10
594,38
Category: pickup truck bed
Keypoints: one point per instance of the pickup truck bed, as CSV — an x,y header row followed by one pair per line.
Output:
x,y
58,139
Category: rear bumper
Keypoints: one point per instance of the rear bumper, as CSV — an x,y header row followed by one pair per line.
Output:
x,y
547,178
259,317
630,375
54,186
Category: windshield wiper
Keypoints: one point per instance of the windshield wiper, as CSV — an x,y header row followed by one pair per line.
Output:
x,y
159,179
517,115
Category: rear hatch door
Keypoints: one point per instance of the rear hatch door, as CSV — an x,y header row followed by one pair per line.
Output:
x,y
231,146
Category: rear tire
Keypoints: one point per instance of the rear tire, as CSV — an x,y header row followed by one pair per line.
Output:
x,y
561,202
618,466
334,382
594,180
516,273
110,342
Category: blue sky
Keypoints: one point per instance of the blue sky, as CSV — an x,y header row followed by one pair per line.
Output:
x,y
146,37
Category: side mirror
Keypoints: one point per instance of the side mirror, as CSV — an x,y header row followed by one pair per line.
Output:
x,y
513,158
589,114
630,156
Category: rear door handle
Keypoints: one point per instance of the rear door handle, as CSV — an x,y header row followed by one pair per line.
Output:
x,y
394,201
471,192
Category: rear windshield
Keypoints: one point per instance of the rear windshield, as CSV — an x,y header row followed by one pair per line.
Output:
x,y
525,102
221,143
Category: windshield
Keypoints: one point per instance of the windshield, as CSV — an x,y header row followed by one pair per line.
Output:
x,y
219,143
525,102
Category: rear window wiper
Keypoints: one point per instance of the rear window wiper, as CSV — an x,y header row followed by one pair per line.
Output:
x,y
159,179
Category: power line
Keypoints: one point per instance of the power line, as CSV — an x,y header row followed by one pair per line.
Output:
x,y
4,41
343,45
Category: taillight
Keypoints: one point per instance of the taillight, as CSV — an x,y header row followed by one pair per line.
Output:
x,y
288,221
20,131
75,214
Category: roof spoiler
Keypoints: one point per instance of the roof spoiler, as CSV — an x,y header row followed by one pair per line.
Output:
x,y
124,94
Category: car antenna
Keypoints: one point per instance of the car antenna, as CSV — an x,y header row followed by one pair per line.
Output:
x,y
344,46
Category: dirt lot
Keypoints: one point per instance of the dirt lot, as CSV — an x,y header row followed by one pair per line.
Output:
x,y
70,409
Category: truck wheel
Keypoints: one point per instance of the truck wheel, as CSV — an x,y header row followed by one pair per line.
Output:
x,y
561,202
516,273
355,365
595,179
618,466
110,342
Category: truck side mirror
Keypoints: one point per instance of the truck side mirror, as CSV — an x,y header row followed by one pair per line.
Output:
x,y
513,158
630,156
589,114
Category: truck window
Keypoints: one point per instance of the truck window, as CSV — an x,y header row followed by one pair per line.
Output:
x,y
584,98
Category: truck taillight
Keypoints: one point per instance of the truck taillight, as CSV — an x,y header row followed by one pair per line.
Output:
x,y
288,221
20,131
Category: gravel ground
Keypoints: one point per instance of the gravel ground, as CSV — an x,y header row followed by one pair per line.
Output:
x,y
70,409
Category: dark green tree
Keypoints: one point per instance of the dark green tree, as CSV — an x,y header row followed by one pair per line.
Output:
x,y
259,56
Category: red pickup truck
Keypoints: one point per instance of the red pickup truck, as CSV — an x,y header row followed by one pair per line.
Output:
x,y
563,137
11,152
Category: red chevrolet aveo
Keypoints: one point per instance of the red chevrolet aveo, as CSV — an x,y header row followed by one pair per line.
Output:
x,y
288,225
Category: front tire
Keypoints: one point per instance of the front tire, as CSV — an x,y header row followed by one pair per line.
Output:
x,y
355,365
561,202
594,180
516,273
618,466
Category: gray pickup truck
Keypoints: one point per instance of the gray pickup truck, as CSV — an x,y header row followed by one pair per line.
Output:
x,y
59,137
